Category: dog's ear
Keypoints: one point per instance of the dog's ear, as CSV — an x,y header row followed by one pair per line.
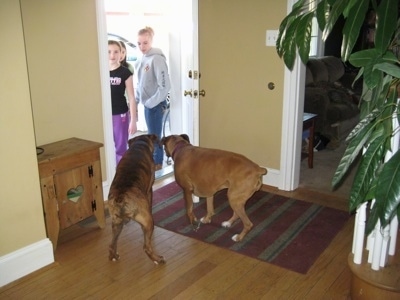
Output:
x,y
153,137
185,137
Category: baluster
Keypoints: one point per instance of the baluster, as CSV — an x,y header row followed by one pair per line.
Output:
x,y
394,226
359,233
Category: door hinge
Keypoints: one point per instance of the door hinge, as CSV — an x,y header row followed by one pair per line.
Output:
x,y
90,171
94,207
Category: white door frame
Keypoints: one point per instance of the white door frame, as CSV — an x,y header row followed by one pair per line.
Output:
x,y
292,123
105,95
183,58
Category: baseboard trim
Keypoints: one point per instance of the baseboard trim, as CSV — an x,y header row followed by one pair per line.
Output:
x,y
272,178
25,261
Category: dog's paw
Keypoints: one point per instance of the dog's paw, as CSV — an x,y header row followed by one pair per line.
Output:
x,y
205,220
226,224
235,238
160,261
196,225
114,258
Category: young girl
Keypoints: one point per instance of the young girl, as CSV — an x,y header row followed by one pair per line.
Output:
x,y
124,116
153,87
123,58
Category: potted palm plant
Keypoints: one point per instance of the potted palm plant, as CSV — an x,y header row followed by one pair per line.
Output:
x,y
377,180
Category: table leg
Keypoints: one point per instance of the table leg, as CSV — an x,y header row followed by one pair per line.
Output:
x,y
98,192
311,145
50,207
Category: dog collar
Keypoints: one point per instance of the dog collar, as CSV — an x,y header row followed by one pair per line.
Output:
x,y
178,147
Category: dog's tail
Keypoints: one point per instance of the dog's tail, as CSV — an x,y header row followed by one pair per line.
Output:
x,y
261,171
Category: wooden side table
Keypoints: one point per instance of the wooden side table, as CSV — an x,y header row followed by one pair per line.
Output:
x,y
71,184
309,123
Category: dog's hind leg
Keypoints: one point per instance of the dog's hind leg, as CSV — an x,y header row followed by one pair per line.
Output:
x,y
247,225
237,199
145,219
117,225
228,224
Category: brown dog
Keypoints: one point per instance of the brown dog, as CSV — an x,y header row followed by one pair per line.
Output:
x,y
131,193
203,172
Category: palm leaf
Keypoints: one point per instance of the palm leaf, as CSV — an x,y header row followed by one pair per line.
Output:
x,y
362,58
371,192
336,11
303,36
372,218
299,6
322,13
352,27
359,74
365,174
372,76
398,109
362,124
351,152
297,9
388,189
383,92
386,16
390,56
289,44
388,68
281,35
346,11
398,212
388,111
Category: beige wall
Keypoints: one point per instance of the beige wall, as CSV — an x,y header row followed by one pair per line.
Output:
x,y
239,112
63,61
49,90
21,214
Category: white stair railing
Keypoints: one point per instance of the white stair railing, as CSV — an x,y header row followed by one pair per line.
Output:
x,y
382,241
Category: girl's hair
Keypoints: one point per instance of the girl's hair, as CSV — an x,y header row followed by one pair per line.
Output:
x,y
123,62
147,30
112,42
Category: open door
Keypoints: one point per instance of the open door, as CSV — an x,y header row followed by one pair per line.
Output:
x,y
184,71
190,72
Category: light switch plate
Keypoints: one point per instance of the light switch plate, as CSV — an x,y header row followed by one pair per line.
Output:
x,y
272,36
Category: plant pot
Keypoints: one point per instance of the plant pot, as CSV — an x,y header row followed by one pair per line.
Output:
x,y
369,284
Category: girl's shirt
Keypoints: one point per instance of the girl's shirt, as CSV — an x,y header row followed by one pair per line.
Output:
x,y
118,77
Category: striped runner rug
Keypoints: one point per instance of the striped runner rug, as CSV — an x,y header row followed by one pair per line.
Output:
x,y
286,232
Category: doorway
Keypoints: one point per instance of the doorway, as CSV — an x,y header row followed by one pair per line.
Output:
x,y
123,19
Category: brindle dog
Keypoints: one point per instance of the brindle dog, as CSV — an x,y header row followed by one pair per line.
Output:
x,y
131,193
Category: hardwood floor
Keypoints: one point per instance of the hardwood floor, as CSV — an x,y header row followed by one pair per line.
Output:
x,y
194,270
